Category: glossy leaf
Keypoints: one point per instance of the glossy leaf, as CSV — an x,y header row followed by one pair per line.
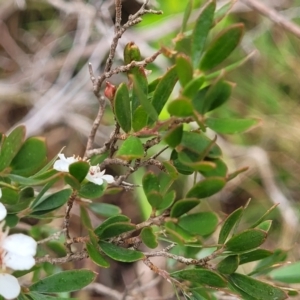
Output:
x,y
174,135
38,296
246,240
147,106
254,255
91,190
184,69
212,97
53,201
85,218
230,126
65,281
179,234
183,206
139,118
265,226
222,46
9,196
122,107
115,219
202,223
30,158
229,224
79,170
206,188
228,265
287,274
115,229
131,148
150,183
200,276
167,200
149,238
164,89
202,27
155,199
180,167
219,170
10,146
165,182
256,288
105,209
181,107
191,89
95,256
120,254
186,16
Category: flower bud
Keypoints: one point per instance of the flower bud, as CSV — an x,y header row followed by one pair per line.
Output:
x,y
131,52
110,91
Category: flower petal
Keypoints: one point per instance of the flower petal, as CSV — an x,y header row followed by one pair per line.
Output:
x,y
18,262
108,178
20,244
62,164
3,212
94,179
9,286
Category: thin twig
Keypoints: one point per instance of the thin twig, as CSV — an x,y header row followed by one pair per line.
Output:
x,y
274,16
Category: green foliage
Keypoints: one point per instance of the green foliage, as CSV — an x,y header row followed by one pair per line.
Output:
x,y
170,114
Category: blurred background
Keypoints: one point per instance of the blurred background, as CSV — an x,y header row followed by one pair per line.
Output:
x,y
45,46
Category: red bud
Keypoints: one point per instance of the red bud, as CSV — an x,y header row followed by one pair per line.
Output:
x,y
109,91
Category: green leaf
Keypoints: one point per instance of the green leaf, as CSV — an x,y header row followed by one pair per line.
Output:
x,y
122,107
147,106
155,199
150,183
11,221
183,206
35,181
105,209
174,135
179,234
201,30
206,188
180,167
171,170
191,89
91,190
9,196
120,254
230,126
38,296
167,200
212,97
222,46
228,265
184,69
246,240
11,145
116,229
115,219
229,223
265,226
85,218
186,16
256,288
254,255
259,220
220,169
200,144
139,118
149,238
140,91
132,148
72,181
287,274
95,256
165,182
181,107
164,89
79,170
66,281
202,223
30,158
53,201
200,276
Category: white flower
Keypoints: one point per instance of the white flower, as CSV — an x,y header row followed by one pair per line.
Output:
x,y
62,164
96,176
9,286
16,252
3,212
